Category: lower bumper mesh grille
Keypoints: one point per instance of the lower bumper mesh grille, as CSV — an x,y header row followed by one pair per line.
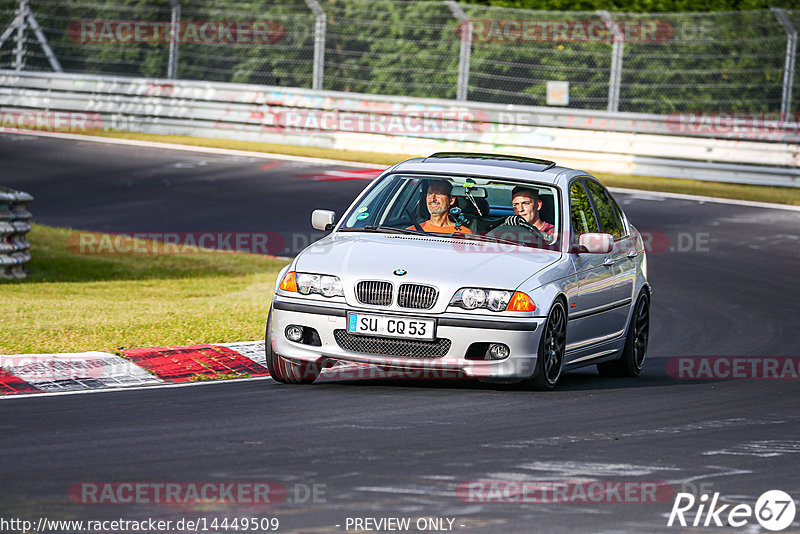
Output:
x,y
382,346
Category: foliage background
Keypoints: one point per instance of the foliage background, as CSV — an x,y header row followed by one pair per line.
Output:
x,y
719,58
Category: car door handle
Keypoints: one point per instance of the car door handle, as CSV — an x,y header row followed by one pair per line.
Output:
x,y
608,262
632,253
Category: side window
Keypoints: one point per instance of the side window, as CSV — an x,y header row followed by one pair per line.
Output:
x,y
403,205
583,220
609,219
620,218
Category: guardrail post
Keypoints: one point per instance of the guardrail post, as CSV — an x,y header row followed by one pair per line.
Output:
x,y
615,75
320,27
14,224
788,67
174,35
465,34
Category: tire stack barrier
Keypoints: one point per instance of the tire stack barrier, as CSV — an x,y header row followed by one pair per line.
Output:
x,y
15,222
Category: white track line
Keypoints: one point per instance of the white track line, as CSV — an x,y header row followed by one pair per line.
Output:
x,y
33,395
697,198
203,149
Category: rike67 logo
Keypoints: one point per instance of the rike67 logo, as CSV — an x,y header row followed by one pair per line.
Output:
x,y
774,510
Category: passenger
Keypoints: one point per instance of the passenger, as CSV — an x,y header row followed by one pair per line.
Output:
x,y
526,204
439,201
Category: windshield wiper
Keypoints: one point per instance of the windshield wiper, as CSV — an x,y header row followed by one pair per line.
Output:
x,y
381,229
492,239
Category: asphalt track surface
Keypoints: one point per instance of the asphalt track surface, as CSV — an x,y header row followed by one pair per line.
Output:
x,y
382,448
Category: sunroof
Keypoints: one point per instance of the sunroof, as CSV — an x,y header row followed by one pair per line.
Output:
x,y
517,162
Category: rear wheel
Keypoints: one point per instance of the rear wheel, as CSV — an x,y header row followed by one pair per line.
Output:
x,y
284,370
635,351
550,360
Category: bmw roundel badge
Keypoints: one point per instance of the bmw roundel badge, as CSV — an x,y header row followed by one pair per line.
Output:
x,y
400,272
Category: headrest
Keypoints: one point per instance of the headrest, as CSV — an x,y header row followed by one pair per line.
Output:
x,y
469,209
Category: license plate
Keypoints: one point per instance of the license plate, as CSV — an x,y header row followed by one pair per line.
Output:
x,y
399,327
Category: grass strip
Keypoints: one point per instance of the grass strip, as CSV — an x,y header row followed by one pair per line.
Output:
x,y
74,302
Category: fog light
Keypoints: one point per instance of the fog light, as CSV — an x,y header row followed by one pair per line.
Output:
x,y
497,351
294,333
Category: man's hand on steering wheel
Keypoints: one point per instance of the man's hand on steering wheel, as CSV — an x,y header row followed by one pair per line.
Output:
x,y
518,220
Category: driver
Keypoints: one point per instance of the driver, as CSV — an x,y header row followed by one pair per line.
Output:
x,y
439,201
526,204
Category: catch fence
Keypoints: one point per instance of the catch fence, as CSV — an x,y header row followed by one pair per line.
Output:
x,y
659,63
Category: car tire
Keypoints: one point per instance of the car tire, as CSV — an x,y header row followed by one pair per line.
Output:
x,y
284,370
635,351
552,345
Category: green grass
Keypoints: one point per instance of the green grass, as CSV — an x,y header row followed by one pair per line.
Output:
x,y
252,146
758,193
76,302
778,195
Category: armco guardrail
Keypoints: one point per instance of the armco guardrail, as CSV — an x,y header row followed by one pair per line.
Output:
x,y
15,222
745,149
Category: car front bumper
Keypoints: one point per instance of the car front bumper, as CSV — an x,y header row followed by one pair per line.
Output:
x,y
521,335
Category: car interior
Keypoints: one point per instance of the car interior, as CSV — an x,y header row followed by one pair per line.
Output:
x,y
491,216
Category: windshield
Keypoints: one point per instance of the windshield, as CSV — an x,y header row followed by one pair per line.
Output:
x,y
465,207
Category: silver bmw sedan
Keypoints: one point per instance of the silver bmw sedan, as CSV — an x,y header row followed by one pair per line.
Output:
x,y
489,267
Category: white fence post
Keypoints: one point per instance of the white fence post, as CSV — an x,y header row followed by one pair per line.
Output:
x,y
615,75
788,67
24,16
19,50
465,35
320,27
174,36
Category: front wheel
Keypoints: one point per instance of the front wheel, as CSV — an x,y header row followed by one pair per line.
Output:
x,y
635,351
287,371
550,360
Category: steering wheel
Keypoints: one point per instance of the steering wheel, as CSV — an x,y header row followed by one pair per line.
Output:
x,y
541,237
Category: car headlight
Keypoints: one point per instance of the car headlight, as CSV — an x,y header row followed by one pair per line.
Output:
x,y
308,283
496,300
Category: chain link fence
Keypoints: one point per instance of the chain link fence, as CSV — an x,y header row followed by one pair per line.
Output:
x,y
516,52
794,18
649,63
712,61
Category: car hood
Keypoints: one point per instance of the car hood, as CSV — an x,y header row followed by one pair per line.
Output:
x,y
444,263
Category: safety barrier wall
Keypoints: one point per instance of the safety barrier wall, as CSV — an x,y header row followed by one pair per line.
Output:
x,y
720,148
15,222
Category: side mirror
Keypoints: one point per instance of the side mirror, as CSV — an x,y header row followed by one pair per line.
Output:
x,y
595,243
323,219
